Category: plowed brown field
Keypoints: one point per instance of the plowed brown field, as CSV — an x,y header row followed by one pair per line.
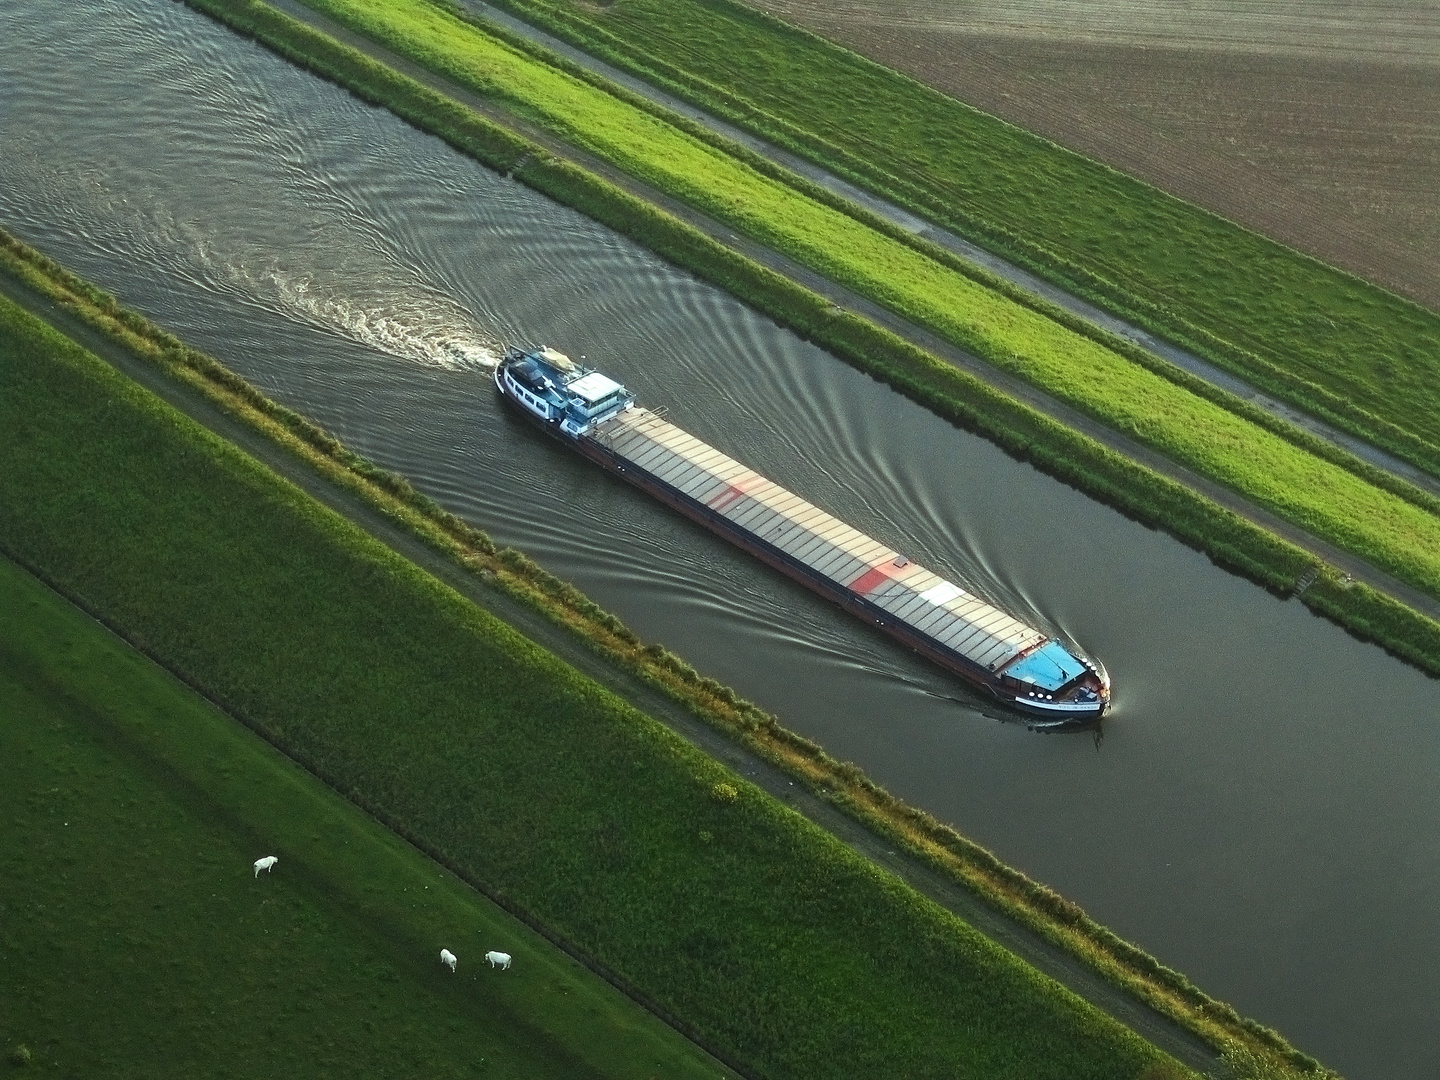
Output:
x,y
1314,122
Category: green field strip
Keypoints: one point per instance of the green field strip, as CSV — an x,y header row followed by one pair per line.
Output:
x,y
734,913
1270,421
1391,532
139,942
1027,902
1350,352
1322,447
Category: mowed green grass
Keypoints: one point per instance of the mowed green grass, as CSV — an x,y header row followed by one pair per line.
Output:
x,y
137,940
768,937
1318,495
1317,336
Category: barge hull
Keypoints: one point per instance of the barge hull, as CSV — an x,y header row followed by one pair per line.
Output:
x,y
931,616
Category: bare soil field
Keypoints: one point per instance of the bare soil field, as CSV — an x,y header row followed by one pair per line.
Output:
x,y
1314,122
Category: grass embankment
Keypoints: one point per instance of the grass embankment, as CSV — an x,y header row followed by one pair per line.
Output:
x,y
137,940
771,940
940,846
1334,345
1395,529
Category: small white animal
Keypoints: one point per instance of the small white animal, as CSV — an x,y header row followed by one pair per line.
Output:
x,y
498,959
265,864
447,958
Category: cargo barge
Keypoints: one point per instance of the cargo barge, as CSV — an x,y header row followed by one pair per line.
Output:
x,y
1017,664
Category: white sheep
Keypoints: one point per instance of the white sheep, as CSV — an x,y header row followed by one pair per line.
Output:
x,y
498,959
265,864
448,959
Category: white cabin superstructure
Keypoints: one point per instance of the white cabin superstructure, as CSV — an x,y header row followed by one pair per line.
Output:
x,y
550,386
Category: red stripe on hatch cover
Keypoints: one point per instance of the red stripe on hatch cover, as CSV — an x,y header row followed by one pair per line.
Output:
x,y
732,493
873,578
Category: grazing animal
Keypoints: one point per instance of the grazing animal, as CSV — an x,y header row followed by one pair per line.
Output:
x,y
498,959
447,958
265,864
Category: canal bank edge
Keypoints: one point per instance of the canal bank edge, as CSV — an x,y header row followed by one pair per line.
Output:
x,y
1139,492
1117,342
841,784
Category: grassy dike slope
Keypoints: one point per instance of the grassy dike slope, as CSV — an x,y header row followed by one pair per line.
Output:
x,y
1398,534
776,943
1337,346
137,942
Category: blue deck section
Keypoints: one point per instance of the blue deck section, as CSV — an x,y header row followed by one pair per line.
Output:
x,y
1049,667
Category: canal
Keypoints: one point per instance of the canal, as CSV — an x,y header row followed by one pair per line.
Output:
x,y
1261,809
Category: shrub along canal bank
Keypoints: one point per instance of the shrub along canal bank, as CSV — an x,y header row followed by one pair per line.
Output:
x,y
134,809
1305,488
842,785
703,896
1332,344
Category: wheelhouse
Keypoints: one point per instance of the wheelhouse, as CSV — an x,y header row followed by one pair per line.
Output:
x,y
551,386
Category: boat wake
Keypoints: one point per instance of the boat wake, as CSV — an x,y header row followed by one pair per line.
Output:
x,y
408,319
335,273
425,329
